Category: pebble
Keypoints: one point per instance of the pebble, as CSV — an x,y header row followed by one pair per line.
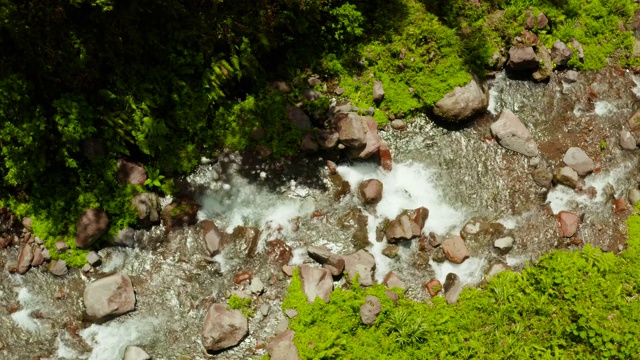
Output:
x,y
257,287
264,309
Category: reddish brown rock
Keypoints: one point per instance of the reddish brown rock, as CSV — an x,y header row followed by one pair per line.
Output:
x,y
362,263
181,212
372,138
278,252
370,309
25,258
434,287
109,296
246,238
242,277
223,328
214,238
38,258
91,225
282,347
568,223
130,172
330,261
351,131
392,280
332,167
384,154
316,282
371,191
407,225
620,205
455,250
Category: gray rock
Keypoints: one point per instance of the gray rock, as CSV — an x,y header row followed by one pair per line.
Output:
x,y
61,246
281,86
316,282
462,103
148,207
370,111
46,255
314,81
25,258
291,313
496,268
339,91
58,268
561,53
93,258
26,222
378,91
579,161
264,309
452,288
283,325
223,328
627,141
398,124
135,353
577,47
298,117
362,263
370,309
523,58
504,244
214,238
91,225
86,268
312,95
571,76
309,143
109,296
513,135
282,347
545,67
256,287
634,196
566,176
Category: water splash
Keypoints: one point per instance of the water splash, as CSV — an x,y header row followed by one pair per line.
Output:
x,y
471,271
29,304
109,341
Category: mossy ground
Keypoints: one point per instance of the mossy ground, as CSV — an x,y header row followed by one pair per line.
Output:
x,y
568,305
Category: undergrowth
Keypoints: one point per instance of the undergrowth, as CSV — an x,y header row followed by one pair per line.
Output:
x,y
569,304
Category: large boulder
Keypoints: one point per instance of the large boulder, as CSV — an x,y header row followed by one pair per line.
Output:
x,y
407,225
371,191
316,282
455,250
513,135
282,347
372,138
130,172
214,238
148,207
109,296
579,161
330,261
351,131
362,263
298,118
523,58
223,328
462,103
91,225
370,309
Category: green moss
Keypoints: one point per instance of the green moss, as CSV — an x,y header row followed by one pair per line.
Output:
x,y
243,304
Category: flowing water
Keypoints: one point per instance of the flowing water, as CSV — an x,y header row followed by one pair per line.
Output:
x,y
458,175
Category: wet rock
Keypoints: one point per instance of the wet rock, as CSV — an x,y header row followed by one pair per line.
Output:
x,y
455,250
634,196
281,86
634,121
256,287
392,280
370,309
311,95
91,225
407,225
341,187
462,103
371,191
627,140
93,258
577,47
263,151
513,135
391,251
620,205
135,353
496,268
316,282
223,328
298,118
362,263
378,91
504,244
242,276
148,207
214,238
332,167
125,237
327,139
561,53
579,161
38,258
372,138
566,176
130,172
246,239
25,258
452,288
180,213
282,347
438,255
330,261
481,234
351,131
109,296
434,287
568,223
523,58
543,177
384,154
309,143
279,252
61,246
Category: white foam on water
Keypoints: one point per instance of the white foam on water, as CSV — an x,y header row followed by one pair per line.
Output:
x,y
63,351
28,304
222,261
470,272
603,108
299,255
636,80
114,261
244,203
516,260
509,223
493,95
563,198
109,341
